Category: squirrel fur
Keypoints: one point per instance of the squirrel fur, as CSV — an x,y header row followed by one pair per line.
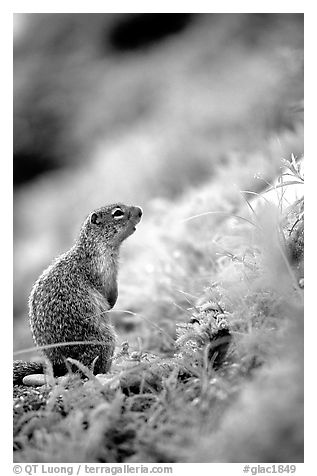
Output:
x,y
68,302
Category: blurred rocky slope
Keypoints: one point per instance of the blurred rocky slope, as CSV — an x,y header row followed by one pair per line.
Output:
x,y
109,109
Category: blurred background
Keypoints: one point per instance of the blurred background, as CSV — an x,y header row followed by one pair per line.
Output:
x,y
147,109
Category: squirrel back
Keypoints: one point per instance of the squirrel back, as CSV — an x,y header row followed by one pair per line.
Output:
x,y
70,300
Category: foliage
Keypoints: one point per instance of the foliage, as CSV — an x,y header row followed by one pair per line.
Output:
x,y
179,404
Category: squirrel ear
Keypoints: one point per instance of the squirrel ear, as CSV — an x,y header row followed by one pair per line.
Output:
x,y
94,219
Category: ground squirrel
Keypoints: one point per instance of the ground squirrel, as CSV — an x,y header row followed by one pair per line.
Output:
x,y
69,300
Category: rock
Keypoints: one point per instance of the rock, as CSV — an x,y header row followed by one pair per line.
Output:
x,y
34,380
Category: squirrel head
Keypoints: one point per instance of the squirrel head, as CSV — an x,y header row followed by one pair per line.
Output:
x,y
110,225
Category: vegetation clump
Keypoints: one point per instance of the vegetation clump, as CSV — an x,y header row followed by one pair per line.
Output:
x,y
155,405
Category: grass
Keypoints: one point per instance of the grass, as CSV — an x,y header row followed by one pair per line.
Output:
x,y
199,391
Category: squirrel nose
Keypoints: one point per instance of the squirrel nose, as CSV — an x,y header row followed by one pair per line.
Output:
x,y
137,212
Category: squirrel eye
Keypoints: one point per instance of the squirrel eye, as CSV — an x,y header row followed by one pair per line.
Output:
x,y
95,219
117,213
